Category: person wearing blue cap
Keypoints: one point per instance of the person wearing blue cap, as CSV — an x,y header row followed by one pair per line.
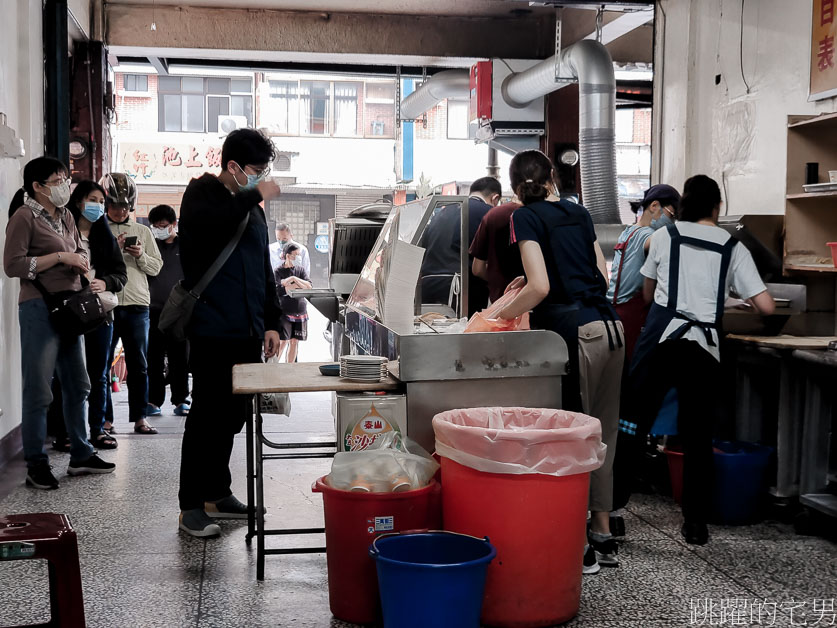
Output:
x,y
656,209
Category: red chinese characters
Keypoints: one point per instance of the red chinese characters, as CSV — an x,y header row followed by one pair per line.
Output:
x,y
213,157
171,156
193,162
825,54
826,12
140,165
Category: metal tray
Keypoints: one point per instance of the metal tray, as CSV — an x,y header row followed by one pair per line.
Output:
x,y
820,187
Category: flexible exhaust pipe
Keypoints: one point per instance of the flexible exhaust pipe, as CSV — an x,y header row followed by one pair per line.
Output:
x,y
447,84
589,62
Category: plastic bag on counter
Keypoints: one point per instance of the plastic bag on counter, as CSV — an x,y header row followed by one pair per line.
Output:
x,y
487,319
393,463
520,440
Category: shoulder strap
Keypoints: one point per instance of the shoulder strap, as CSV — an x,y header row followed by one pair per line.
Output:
x,y
622,248
209,275
726,258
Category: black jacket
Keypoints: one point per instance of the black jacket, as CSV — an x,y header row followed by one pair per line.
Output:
x,y
106,256
240,302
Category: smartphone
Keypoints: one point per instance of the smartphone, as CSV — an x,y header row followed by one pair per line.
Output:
x,y
130,240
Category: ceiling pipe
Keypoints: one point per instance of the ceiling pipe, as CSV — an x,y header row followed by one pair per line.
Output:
x,y
589,62
447,84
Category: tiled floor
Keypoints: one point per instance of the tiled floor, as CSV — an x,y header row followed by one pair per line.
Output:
x,y
138,571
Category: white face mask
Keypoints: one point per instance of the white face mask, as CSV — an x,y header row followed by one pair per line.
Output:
x,y
162,233
59,195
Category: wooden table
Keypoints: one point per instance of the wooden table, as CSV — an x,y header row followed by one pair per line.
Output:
x,y
784,341
250,379
253,379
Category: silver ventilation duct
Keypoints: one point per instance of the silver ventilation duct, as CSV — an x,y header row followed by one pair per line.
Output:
x,y
447,84
589,62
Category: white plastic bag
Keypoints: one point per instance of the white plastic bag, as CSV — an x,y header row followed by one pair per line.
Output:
x,y
393,463
520,440
274,403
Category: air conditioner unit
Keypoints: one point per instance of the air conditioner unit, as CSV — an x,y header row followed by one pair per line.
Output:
x,y
228,124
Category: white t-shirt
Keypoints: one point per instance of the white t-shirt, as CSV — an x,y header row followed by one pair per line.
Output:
x,y
697,291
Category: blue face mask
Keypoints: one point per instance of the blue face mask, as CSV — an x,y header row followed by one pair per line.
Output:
x,y
662,221
252,180
93,211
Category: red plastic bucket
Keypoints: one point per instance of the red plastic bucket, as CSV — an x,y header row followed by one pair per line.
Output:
x,y
352,521
675,473
538,525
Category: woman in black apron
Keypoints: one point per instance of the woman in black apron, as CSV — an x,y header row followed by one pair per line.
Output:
x,y
688,273
565,288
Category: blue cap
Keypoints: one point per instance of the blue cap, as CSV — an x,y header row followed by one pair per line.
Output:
x,y
663,193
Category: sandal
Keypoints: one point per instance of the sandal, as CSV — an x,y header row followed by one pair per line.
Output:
x,y
145,429
62,444
109,430
104,441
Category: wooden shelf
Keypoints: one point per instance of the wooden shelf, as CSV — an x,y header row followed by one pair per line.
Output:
x,y
811,268
811,195
825,117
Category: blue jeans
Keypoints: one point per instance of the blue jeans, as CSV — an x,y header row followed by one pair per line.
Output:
x,y
97,354
130,323
44,352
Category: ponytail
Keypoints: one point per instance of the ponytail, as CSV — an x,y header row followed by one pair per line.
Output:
x,y
531,173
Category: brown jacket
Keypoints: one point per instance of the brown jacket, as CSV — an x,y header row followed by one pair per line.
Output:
x,y
29,235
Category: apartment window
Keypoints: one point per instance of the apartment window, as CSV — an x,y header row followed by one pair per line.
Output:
x,y
458,119
284,107
193,104
379,109
345,108
135,83
314,99
330,108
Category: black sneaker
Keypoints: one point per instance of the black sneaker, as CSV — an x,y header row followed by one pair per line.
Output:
x,y
228,508
41,477
606,551
197,523
93,464
695,533
591,565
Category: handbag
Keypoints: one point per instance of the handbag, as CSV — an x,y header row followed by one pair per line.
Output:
x,y
274,403
73,313
177,312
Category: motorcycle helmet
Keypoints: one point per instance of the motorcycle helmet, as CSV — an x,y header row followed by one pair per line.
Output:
x,y
120,189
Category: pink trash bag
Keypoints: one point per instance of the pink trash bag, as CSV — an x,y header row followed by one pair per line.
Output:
x,y
487,319
520,440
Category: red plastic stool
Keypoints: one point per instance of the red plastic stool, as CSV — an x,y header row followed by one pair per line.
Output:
x,y
51,537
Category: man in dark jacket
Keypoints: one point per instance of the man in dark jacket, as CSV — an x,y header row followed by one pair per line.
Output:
x,y
164,350
235,318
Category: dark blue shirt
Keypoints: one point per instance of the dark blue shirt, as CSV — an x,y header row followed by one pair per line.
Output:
x,y
566,236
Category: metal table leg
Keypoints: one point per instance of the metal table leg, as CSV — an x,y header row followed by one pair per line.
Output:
x,y
251,477
259,498
789,430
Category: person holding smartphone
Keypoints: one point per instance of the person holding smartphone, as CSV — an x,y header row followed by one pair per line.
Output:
x,y
131,316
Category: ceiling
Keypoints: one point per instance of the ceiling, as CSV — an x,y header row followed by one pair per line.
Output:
x,y
393,7
447,8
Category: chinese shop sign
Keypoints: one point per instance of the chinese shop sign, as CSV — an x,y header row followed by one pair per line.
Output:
x,y
168,163
823,70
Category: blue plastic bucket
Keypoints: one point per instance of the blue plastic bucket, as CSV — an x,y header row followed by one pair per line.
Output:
x,y
431,578
740,481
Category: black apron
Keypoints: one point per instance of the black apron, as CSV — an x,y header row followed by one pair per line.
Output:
x,y
559,311
659,318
